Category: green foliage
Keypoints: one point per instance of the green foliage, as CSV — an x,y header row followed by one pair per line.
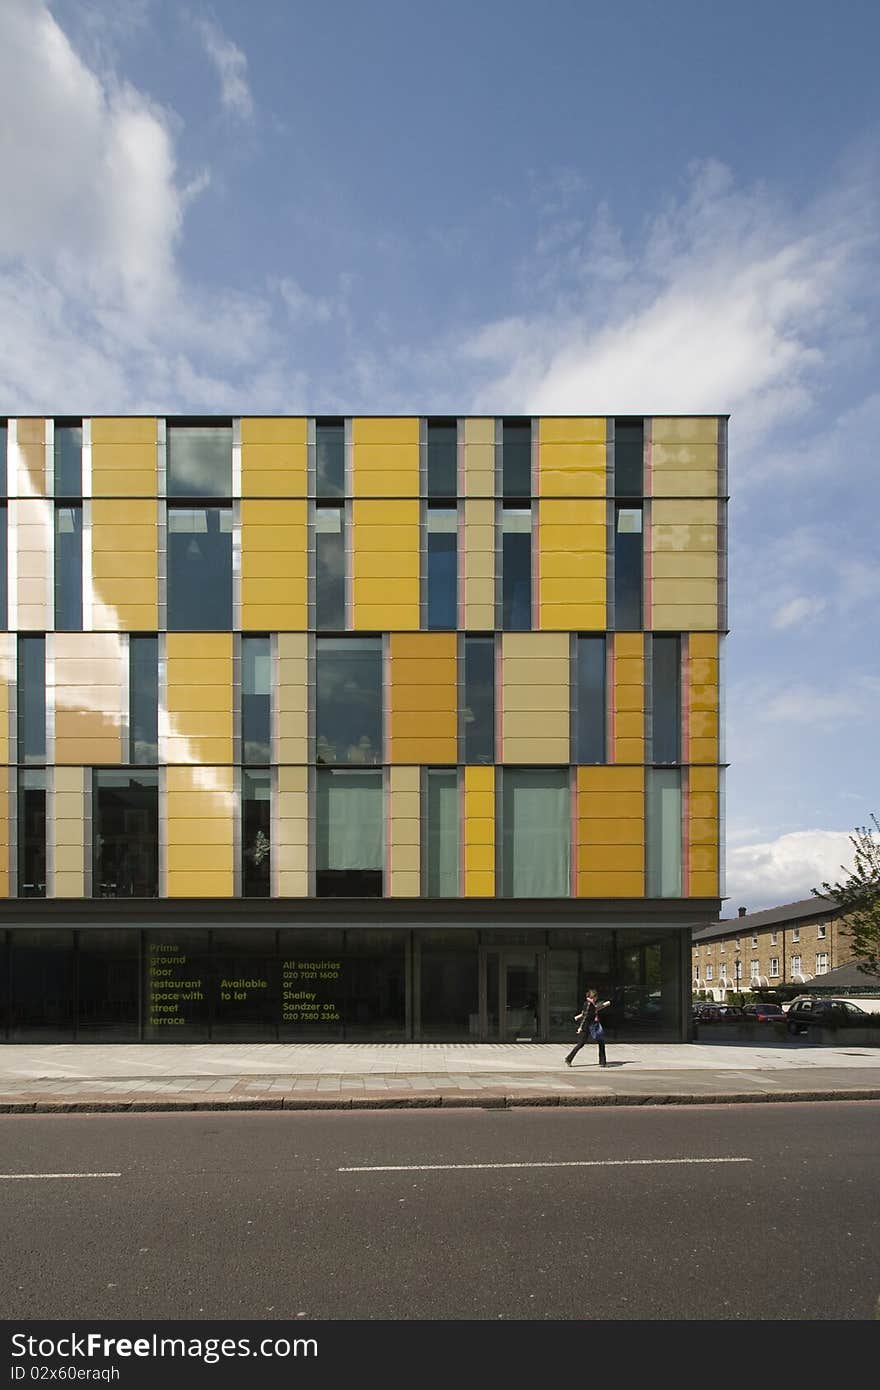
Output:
x,y
858,897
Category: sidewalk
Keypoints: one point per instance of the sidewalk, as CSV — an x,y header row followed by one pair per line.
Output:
x,y
307,1076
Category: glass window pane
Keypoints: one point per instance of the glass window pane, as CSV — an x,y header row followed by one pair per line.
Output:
x,y
666,700
107,984
41,966
143,655
664,833
442,458
68,460
330,568
256,700
349,699
32,834
31,699
442,833
629,450
449,985
256,833
68,569
628,569
199,569
516,572
125,814
516,458
536,833
200,460
330,458
591,700
478,715
349,834
177,989
442,567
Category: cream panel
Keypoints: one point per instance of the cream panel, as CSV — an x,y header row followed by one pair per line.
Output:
x,y
67,832
700,429
479,458
533,726
292,689
290,848
90,689
7,679
685,511
404,831
478,565
35,546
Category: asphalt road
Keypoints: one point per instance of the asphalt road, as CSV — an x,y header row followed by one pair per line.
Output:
x,y
674,1213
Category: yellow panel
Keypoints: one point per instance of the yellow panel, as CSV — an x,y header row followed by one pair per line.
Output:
x,y
388,565
611,779
479,832
126,429
610,859
219,884
611,885
274,470
701,429
478,857
556,429
196,662
266,429
279,601
395,429
480,885
125,579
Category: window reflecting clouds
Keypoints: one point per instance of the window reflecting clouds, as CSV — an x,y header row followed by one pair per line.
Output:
x,y
349,699
199,569
200,460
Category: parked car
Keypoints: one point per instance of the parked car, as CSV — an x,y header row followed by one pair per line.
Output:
x,y
716,1013
827,1013
764,1013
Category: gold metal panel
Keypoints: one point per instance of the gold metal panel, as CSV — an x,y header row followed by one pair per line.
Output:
x,y
610,831
271,430
479,832
197,662
125,429
572,429
31,430
125,576
278,600
196,797
389,429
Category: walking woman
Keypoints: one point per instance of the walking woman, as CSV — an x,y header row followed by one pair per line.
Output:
x,y
589,1027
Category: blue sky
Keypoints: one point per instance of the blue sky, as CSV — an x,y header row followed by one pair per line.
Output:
x,y
565,207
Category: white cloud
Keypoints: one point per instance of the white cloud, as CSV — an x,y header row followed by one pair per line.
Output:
x,y
231,65
797,610
786,869
854,700
729,303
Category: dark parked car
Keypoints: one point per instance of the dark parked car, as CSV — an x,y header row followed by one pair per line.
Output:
x,y
764,1013
827,1013
716,1013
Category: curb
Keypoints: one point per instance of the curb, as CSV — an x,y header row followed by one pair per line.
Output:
x,y
467,1100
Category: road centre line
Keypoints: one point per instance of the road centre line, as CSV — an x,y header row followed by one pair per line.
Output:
x,y
572,1163
18,1177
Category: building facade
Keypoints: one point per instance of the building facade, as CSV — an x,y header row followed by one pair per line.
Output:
x,y
784,946
389,728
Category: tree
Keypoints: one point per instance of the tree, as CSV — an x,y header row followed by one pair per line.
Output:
x,y
858,897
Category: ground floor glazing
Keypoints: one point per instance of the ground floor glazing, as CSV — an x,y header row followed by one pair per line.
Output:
x,y
353,983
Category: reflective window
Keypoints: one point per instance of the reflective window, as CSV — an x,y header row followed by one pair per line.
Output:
x,y
199,460
68,459
442,567
4,566
629,452
442,458
330,568
256,833
256,700
143,684
107,985
591,701
31,699
516,569
42,986
349,839
516,458
628,569
330,458
449,984
199,569
349,699
125,816
478,714
666,699
664,832
68,569
32,834
441,833
536,833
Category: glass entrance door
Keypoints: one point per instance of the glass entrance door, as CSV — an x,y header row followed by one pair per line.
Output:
x,y
514,992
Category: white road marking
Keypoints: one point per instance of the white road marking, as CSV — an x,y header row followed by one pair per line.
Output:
x,y
572,1163
17,1177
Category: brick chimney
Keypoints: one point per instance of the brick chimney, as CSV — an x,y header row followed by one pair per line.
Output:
x,y
740,912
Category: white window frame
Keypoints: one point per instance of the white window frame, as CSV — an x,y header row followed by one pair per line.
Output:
x,y
821,962
709,972
821,931
754,939
796,965
773,936
754,969
796,934
774,967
